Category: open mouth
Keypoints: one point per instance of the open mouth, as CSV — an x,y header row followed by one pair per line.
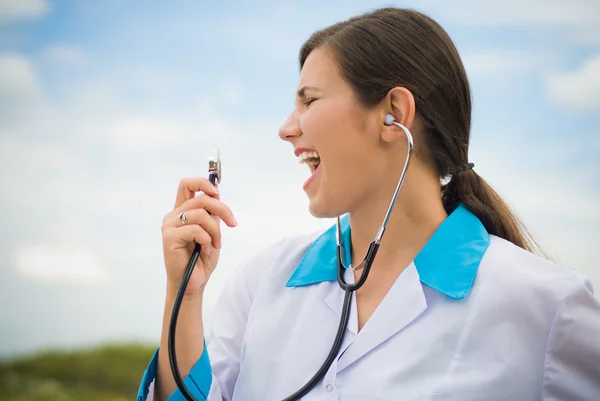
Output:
x,y
311,158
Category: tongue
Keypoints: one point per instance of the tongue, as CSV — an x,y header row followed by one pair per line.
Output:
x,y
314,167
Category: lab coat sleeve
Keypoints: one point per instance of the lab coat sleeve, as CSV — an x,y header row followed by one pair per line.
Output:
x,y
572,366
198,381
214,375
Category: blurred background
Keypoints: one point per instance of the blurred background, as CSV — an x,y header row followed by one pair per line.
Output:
x,y
106,105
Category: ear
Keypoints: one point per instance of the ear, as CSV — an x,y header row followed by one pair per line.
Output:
x,y
399,102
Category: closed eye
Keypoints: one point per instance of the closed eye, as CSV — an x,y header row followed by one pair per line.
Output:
x,y
309,101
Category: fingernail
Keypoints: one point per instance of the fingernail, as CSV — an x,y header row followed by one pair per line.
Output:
x,y
215,189
235,223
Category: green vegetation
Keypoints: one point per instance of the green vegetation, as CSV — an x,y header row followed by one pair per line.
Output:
x,y
106,373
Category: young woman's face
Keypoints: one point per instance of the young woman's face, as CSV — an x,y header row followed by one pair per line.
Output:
x,y
329,123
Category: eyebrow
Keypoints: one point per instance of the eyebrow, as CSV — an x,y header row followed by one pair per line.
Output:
x,y
301,91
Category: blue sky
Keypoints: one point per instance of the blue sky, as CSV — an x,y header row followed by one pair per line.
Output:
x,y
104,106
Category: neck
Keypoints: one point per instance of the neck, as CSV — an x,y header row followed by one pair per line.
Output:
x,y
417,214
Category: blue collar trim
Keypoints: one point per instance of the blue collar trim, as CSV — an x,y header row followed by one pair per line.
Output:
x,y
448,262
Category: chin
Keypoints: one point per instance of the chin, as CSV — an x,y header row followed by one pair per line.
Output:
x,y
321,209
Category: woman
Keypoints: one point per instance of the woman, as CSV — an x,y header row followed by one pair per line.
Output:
x,y
456,307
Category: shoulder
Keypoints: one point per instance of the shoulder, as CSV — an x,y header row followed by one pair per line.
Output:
x,y
539,316
534,300
517,286
509,269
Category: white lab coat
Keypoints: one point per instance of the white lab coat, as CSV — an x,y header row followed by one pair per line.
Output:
x,y
472,318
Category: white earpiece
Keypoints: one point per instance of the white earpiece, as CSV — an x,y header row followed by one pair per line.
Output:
x,y
389,119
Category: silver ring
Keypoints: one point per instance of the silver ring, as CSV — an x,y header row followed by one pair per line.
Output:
x,y
183,217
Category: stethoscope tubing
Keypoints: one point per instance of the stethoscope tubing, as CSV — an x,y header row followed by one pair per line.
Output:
x,y
349,289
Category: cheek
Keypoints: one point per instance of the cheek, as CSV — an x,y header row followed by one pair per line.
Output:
x,y
339,132
327,121
314,122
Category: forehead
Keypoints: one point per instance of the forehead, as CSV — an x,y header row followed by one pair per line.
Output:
x,y
319,70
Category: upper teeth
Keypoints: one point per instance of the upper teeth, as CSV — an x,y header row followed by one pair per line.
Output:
x,y
306,155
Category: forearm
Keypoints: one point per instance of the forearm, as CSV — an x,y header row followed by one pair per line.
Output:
x,y
189,342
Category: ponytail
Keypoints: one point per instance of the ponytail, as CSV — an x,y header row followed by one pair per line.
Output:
x,y
473,192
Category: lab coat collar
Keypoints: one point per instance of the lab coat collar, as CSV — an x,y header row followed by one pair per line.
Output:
x,y
448,262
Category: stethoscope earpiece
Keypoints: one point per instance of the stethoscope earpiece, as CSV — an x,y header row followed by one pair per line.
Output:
x,y
389,119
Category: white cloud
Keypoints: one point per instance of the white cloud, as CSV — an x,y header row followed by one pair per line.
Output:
x,y
143,132
13,10
578,89
59,265
233,94
517,12
152,80
501,63
587,36
17,79
19,88
578,21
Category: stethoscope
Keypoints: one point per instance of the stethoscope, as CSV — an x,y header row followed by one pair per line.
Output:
x,y
215,176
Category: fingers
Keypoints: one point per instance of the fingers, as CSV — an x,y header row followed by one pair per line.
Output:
x,y
213,206
199,217
187,234
204,213
189,186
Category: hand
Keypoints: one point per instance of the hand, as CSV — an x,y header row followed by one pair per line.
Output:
x,y
204,214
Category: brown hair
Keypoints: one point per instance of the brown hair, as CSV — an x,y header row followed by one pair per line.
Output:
x,y
391,47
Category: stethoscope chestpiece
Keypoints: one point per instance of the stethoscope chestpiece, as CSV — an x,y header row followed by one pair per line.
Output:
x,y
214,166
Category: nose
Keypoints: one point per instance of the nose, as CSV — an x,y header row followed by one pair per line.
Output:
x,y
291,127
